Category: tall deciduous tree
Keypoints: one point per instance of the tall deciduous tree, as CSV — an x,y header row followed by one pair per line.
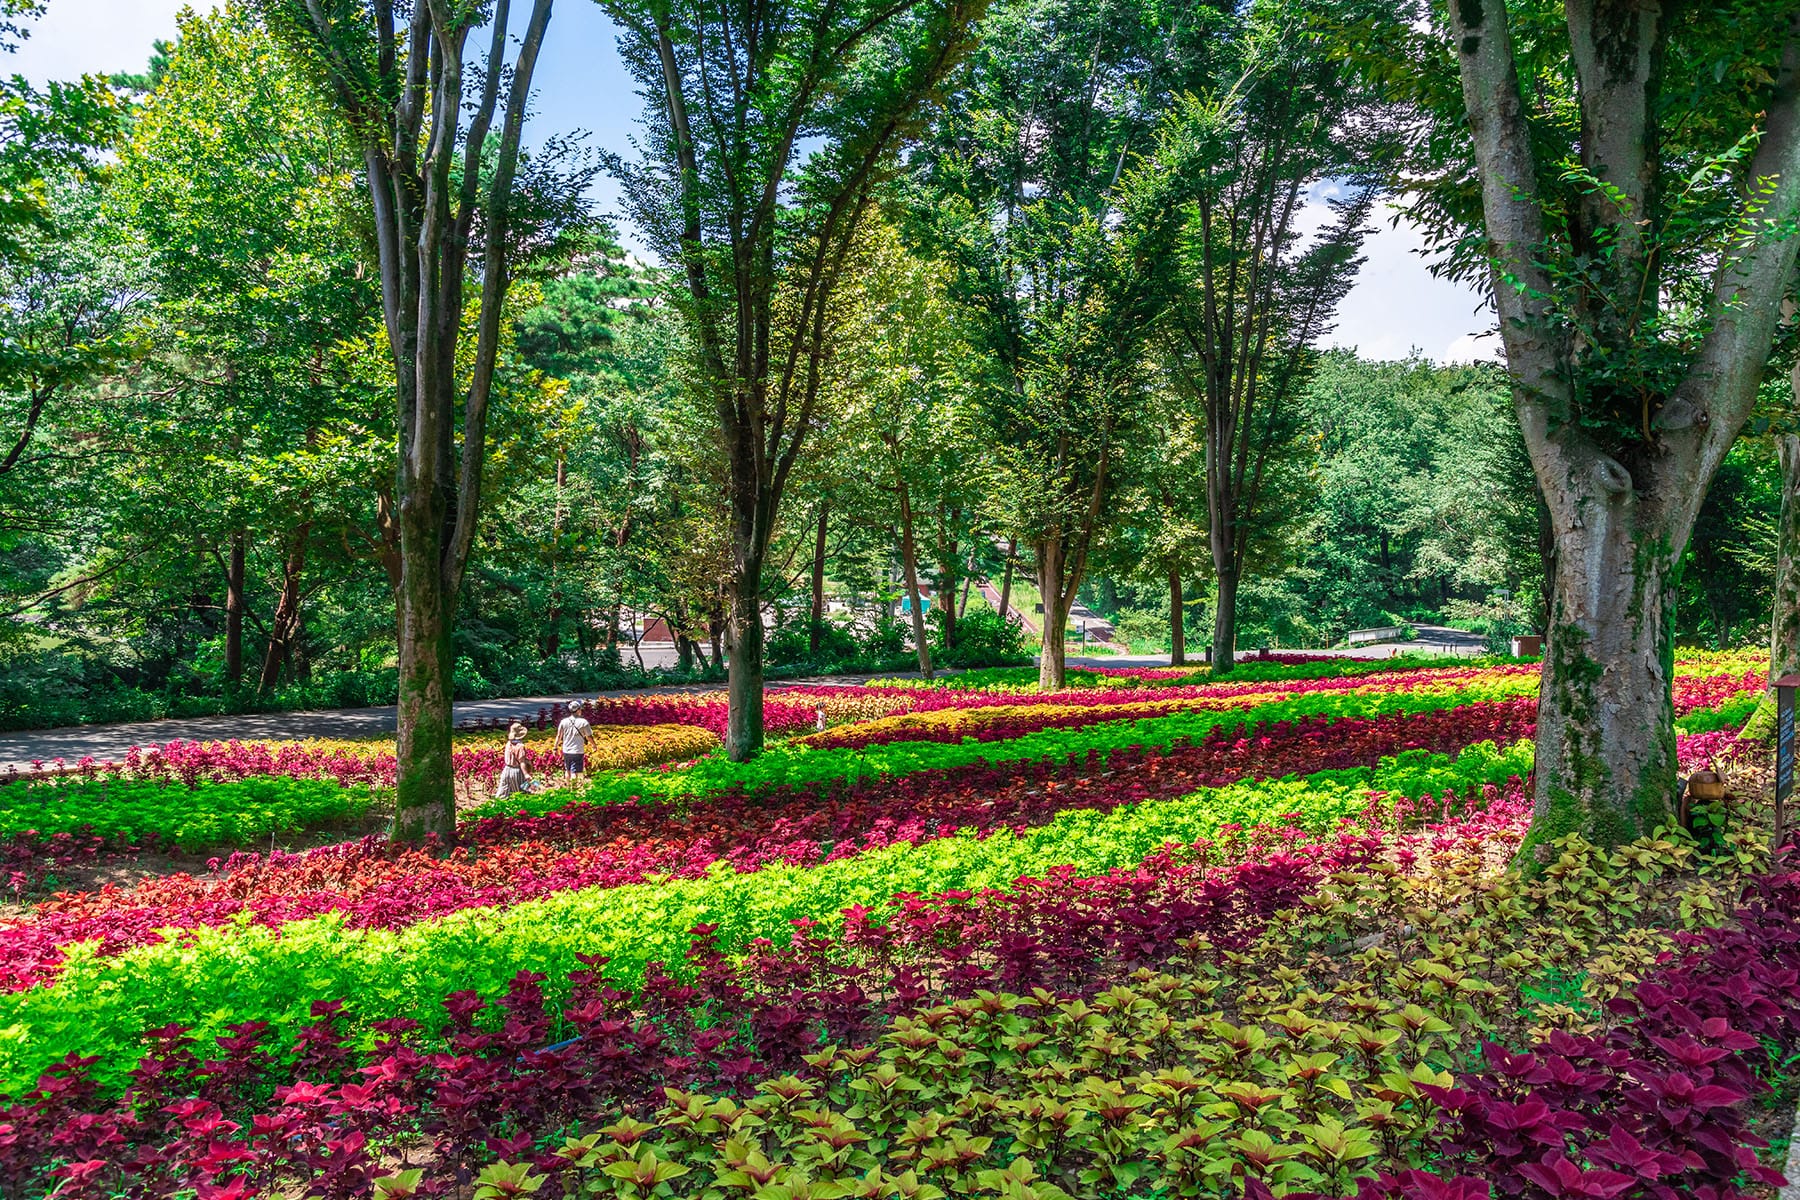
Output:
x,y
1251,294
760,231
905,377
1025,192
443,193
1639,177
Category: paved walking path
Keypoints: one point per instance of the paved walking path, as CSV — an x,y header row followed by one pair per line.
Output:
x,y
25,748
19,751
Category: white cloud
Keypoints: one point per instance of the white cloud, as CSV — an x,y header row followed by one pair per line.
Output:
x,y
1397,305
95,37
1472,347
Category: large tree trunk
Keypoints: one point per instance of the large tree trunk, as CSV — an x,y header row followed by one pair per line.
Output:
x,y
1546,545
431,178
909,570
234,611
1222,537
1606,732
425,802
1224,644
1605,744
1058,591
285,627
1177,632
744,687
818,581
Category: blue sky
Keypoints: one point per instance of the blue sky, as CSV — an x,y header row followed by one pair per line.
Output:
x,y
1395,306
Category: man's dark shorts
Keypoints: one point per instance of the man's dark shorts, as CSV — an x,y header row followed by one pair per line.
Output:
x,y
574,764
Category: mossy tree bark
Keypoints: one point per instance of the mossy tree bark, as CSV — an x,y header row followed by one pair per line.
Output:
x,y
1624,466
1224,643
1606,727
744,651
426,771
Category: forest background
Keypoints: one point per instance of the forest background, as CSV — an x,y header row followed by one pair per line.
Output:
x,y
196,434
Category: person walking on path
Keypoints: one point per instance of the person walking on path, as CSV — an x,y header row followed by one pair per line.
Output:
x,y
572,735
513,775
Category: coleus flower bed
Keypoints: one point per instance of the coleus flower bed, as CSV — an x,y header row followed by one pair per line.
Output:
x,y
372,761
1240,1062
375,885
796,709
798,765
1652,1108
868,969
217,976
731,1024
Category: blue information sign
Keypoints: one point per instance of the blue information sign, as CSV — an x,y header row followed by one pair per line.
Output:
x,y
1784,750
1784,742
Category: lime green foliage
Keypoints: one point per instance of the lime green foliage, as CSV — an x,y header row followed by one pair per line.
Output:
x,y
238,813
799,765
1031,1098
215,977
1730,715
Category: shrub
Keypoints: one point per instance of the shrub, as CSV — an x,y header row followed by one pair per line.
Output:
x,y
985,639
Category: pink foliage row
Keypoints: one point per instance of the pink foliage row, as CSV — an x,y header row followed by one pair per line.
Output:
x,y
795,709
1710,751
194,762
1694,692
1277,657
519,858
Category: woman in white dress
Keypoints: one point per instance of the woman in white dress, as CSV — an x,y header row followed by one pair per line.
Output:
x,y
513,775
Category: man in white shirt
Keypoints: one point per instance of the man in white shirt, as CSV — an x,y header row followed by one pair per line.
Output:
x,y
572,735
